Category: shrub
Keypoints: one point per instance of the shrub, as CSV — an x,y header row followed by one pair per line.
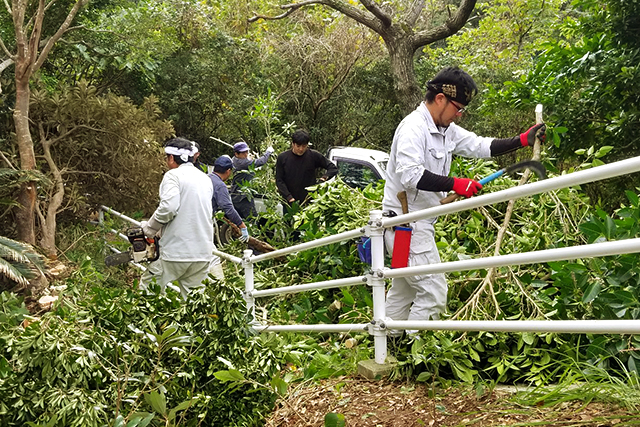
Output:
x,y
116,355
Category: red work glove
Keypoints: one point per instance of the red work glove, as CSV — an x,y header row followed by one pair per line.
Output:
x,y
466,187
528,138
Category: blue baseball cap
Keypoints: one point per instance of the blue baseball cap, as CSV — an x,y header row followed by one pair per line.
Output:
x,y
224,162
240,147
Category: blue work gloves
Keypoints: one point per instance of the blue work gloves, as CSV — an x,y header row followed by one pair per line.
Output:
x,y
245,235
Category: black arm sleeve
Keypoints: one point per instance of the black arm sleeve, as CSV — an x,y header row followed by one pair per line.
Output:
x,y
432,182
332,169
504,146
282,186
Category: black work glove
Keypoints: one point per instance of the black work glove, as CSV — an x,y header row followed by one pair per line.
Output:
x,y
528,138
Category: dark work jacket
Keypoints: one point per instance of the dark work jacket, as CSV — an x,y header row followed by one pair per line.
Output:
x,y
295,173
221,200
244,203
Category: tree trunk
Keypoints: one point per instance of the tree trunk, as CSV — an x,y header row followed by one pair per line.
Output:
x,y
25,213
401,54
48,221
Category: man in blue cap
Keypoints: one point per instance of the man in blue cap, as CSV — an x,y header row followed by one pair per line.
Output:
x,y
241,160
222,168
243,202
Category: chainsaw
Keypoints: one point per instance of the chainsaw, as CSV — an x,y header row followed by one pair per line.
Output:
x,y
142,249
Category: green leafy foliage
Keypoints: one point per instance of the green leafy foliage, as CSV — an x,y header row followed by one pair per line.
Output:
x,y
593,288
97,137
333,419
335,207
116,354
587,80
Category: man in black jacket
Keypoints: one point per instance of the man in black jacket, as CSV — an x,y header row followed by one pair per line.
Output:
x,y
296,168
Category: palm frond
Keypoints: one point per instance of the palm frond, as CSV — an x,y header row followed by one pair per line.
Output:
x,y
5,201
10,174
16,272
13,250
19,260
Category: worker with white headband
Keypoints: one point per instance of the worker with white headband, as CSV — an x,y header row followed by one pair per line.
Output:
x,y
185,219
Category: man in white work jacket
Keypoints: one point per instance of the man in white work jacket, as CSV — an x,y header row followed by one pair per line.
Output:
x,y
184,218
419,163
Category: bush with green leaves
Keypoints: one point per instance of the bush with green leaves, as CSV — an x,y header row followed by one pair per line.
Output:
x,y
584,289
334,208
587,80
118,356
556,219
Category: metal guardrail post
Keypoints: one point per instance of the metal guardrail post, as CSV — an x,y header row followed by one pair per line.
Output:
x,y
247,264
376,280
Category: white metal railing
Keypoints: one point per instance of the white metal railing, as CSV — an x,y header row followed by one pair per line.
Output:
x,y
377,275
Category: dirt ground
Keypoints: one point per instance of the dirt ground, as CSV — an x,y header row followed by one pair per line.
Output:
x,y
383,404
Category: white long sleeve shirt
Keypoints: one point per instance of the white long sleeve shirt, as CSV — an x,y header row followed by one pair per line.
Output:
x,y
185,209
419,144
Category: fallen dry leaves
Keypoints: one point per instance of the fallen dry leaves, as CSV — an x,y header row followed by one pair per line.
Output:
x,y
384,404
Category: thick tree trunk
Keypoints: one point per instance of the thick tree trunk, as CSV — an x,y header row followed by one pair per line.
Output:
x,y
25,213
401,55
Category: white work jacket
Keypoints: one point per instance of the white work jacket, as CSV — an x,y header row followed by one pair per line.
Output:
x,y
419,144
185,209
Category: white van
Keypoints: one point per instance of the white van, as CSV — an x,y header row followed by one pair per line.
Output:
x,y
358,167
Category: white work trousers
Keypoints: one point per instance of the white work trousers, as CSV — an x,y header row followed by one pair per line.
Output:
x,y
189,275
421,297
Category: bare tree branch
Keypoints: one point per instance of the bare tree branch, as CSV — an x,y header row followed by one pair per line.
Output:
x,y
18,25
8,6
336,84
34,39
345,8
63,29
51,3
372,7
6,51
7,161
256,16
450,27
414,12
3,65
